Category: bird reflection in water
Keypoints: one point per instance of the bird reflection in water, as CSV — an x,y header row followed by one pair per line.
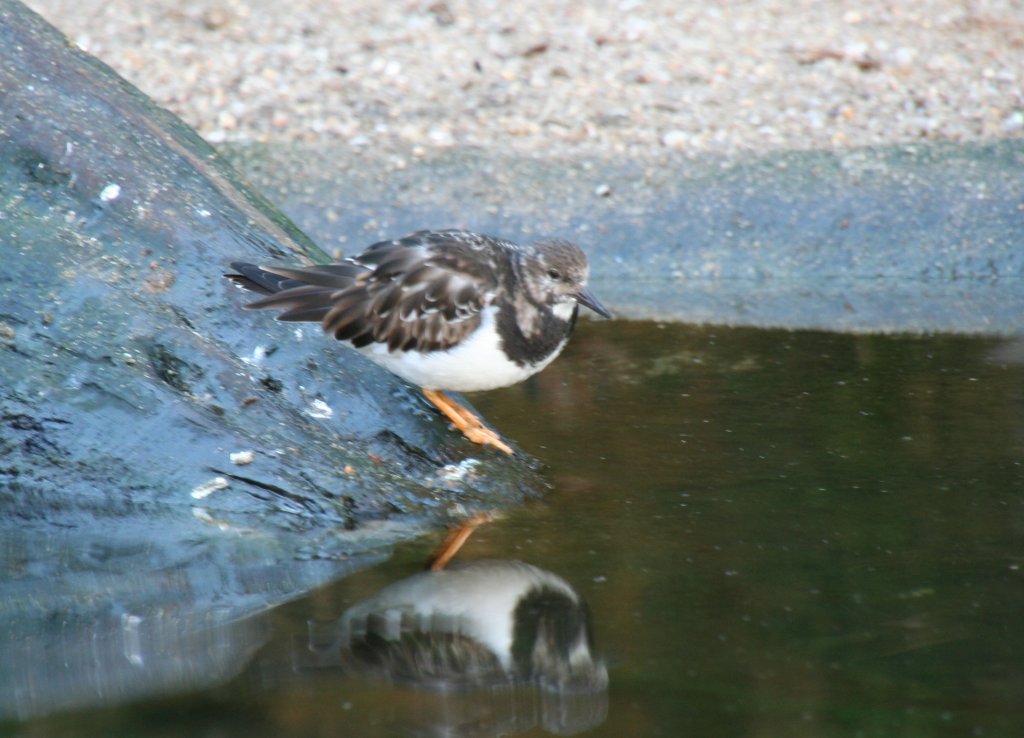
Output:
x,y
481,627
478,622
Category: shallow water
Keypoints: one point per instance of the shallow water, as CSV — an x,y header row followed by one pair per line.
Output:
x,y
777,534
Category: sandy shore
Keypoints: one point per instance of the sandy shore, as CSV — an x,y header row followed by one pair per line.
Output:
x,y
563,78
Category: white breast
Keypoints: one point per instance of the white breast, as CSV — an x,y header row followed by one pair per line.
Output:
x,y
476,363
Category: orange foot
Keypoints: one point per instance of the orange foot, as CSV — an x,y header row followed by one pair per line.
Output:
x,y
466,421
454,540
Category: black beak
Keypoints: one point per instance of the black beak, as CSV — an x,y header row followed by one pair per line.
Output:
x,y
586,298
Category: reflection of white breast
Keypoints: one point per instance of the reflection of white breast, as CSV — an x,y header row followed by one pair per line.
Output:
x,y
477,600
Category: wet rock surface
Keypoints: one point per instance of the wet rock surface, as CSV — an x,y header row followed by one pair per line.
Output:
x,y
159,446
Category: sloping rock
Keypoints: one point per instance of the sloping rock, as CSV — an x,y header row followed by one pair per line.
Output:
x,y
131,374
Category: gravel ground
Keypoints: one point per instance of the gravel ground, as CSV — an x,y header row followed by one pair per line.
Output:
x,y
607,78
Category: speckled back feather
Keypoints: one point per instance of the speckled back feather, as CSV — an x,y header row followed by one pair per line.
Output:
x,y
423,292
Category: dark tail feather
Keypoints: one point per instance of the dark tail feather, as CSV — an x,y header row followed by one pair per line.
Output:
x,y
303,294
274,279
254,279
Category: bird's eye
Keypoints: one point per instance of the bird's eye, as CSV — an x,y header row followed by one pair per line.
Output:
x,y
555,275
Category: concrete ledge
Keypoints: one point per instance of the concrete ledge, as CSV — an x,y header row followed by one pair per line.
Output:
x,y
900,239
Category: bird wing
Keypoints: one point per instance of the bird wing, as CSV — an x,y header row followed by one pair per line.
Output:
x,y
424,292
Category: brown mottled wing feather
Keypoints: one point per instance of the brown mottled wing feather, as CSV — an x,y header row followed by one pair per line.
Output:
x,y
424,292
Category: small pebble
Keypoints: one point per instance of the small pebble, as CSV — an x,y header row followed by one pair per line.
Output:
x,y
215,18
320,409
241,458
207,488
675,139
111,192
1014,122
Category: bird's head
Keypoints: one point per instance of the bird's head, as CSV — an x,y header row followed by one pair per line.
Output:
x,y
557,273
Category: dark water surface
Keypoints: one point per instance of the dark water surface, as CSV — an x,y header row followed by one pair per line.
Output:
x,y
799,534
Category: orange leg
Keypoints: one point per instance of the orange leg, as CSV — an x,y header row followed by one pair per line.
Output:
x,y
454,541
470,425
